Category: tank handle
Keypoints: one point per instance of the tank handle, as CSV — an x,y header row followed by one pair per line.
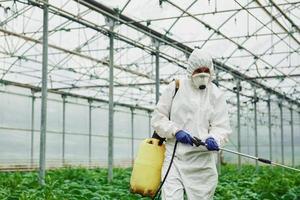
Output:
x,y
152,141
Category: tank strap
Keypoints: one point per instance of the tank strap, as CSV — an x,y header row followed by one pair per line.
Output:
x,y
177,83
155,135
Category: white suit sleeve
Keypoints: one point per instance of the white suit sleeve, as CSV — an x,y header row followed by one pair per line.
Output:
x,y
219,122
160,118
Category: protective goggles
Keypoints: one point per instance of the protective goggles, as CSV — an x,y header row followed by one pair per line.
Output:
x,y
201,70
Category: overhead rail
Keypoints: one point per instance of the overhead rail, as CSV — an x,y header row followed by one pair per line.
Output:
x,y
38,89
163,39
108,12
104,31
280,24
285,16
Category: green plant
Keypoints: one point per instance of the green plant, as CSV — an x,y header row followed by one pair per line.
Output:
x,y
91,184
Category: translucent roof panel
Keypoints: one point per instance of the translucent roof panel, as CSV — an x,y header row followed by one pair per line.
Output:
x,y
259,39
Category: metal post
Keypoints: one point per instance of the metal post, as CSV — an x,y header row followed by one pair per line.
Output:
x,y
132,136
292,137
248,135
281,132
32,130
90,132
238,122
63,129
255,128
111,101
270,127
42,171
157,81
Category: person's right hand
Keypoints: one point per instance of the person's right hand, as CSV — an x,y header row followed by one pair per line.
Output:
x,y
184,137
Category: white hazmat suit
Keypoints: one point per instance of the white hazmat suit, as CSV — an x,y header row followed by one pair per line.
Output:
x,y
201,113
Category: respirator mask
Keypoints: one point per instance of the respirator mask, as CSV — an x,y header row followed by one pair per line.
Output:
x,y
201,80
201,77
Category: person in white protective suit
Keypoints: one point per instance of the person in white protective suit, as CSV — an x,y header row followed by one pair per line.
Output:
x,y
198,109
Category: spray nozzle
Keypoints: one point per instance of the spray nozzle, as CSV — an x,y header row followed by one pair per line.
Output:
x,y
198,142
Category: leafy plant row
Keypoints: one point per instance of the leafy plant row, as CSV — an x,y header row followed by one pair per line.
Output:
x,y
91,184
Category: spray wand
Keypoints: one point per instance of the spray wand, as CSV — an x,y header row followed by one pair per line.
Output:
x,y
199,142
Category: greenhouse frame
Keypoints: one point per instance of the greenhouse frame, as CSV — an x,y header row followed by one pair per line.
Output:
x,y
80,78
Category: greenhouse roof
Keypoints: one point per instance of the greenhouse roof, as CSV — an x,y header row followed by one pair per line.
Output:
x,y
256,42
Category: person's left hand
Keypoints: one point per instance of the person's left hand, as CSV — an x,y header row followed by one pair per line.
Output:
x,y
211,144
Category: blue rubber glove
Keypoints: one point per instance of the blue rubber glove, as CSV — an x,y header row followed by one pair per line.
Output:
x,y
184,137
211,144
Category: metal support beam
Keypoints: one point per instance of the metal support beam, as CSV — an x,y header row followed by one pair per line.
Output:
x,y
32,130
255,127
132,136
106,11
281,132
238,89
264,77
107,85
42,170
63,129
295,26
275,19
111,102
270,127
73,52
37,89
157,80
57,11
90,132
292,138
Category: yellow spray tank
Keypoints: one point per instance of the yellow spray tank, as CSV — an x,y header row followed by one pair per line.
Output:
x,y
145,177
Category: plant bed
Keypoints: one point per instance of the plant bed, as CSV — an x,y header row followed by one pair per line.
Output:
x,y
91,184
